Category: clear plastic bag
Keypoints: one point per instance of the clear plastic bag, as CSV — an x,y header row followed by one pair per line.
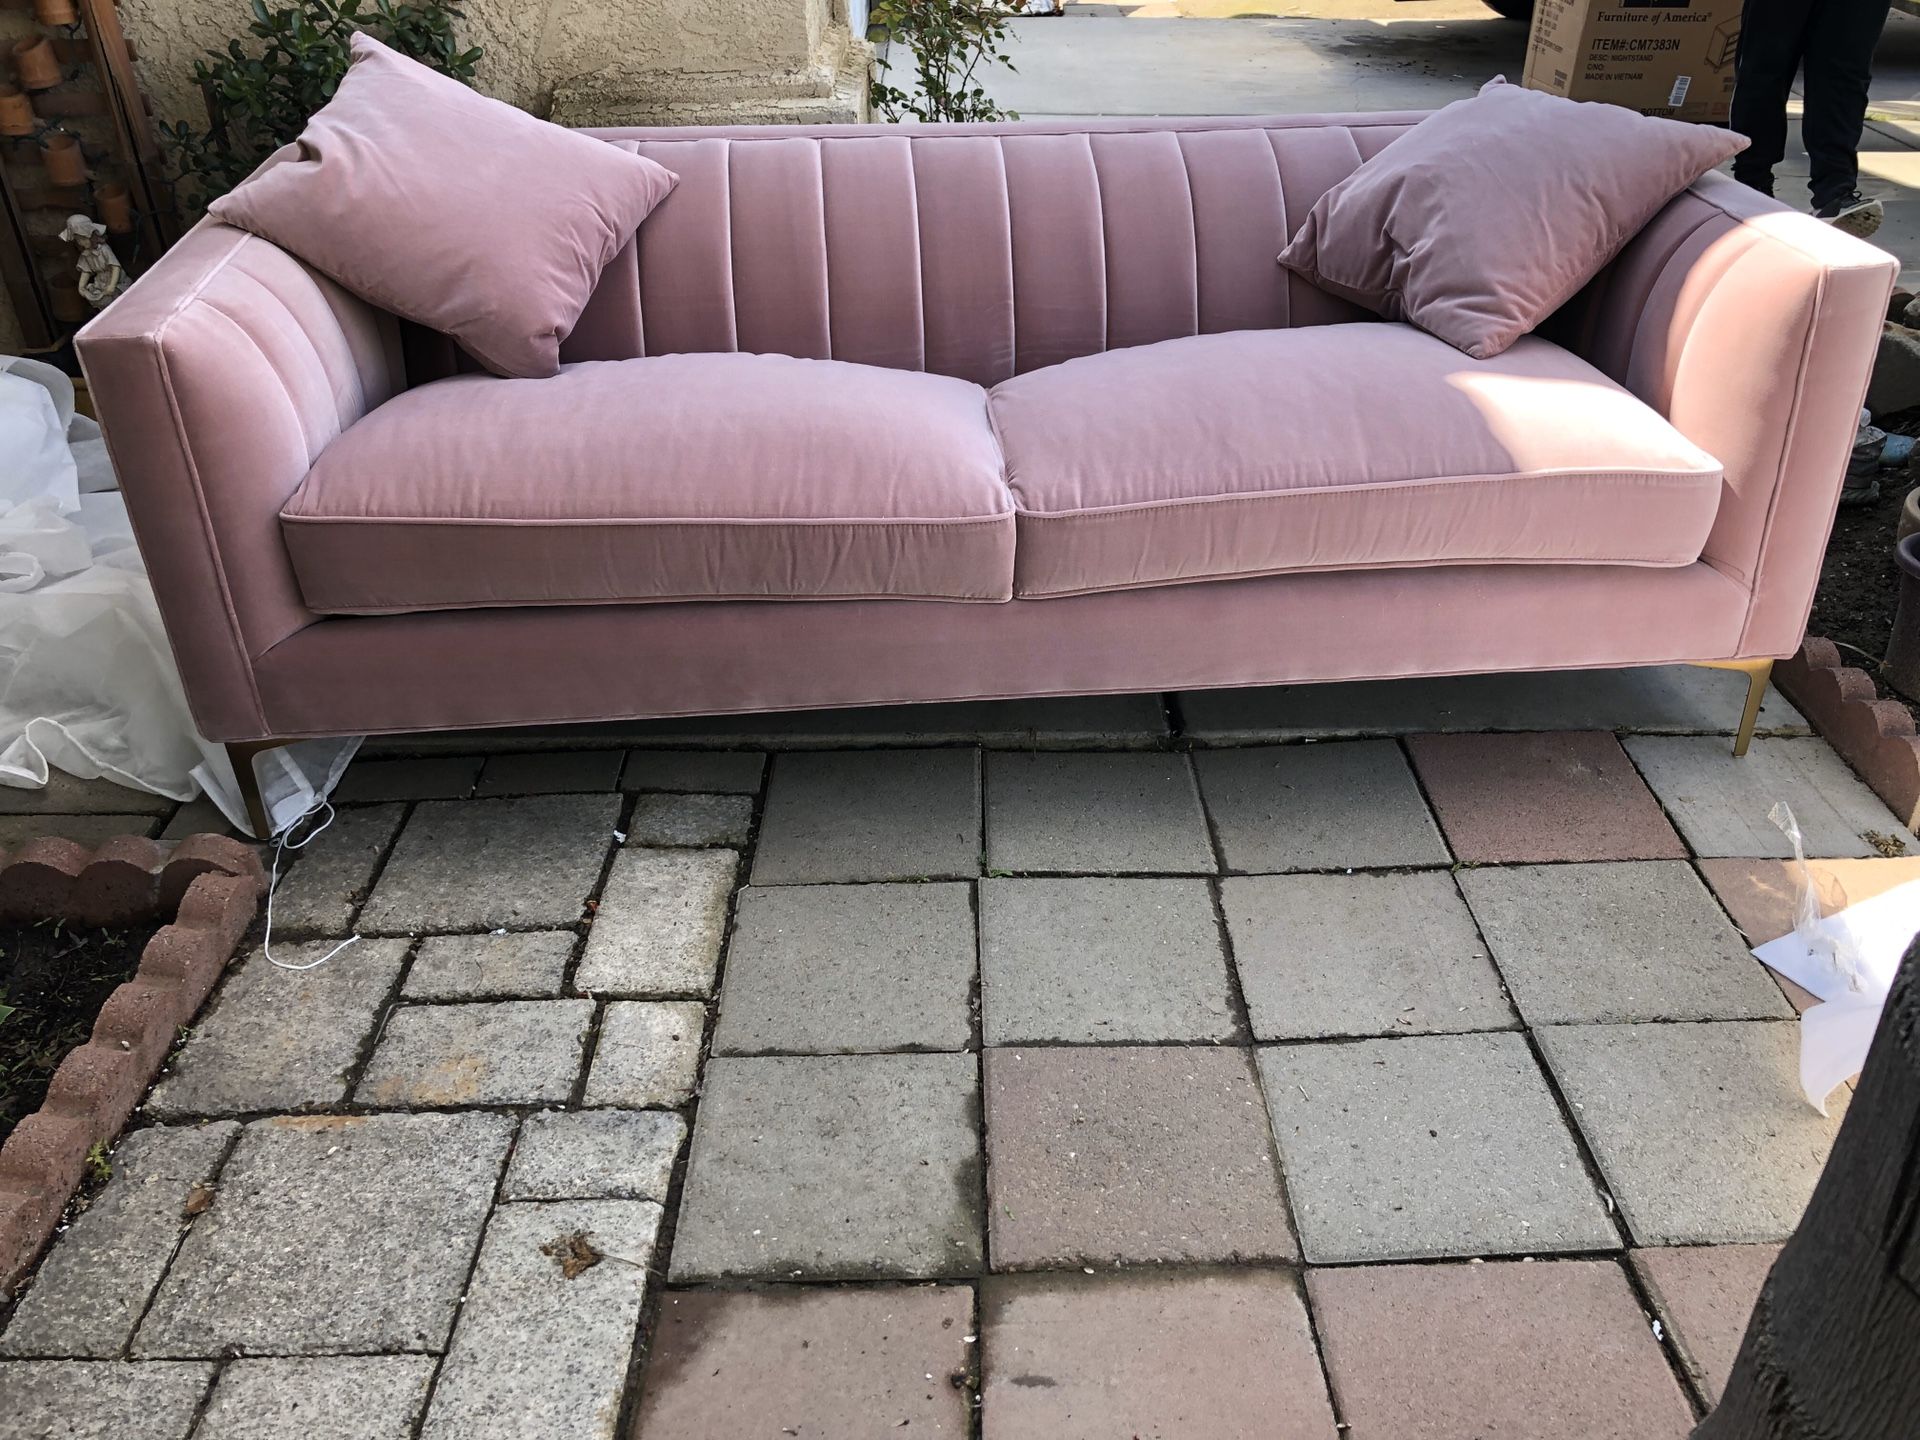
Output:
x,y
1830,945
88,683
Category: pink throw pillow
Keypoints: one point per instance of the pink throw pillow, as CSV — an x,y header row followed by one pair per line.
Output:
x,y
459,212
1487,216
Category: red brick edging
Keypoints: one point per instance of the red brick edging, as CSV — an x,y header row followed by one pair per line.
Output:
x,y
211,886
1874,736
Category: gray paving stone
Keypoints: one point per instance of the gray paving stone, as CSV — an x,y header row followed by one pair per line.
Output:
x,y
332,872
529,964
1621,941
1318,807
99,1399
1336,955
1112,722
1104,1155
1720,804
1095,814
539,1353
333,1235
63,794
658,928
493,864
725,772
1428,1146
199,816
1101,960
91,1289
551,772
870,815
648,1054
351,1397
429,778
87,830
282,1039
1700,1130
691,820
508,740
848,968
1678,699
500,1052
595,1155
816,1166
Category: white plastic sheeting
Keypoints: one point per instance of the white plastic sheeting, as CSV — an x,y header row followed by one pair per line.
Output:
x,y
1847,960
87,681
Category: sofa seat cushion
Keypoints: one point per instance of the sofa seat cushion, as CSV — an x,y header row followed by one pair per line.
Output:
x,y
680,477
1337,447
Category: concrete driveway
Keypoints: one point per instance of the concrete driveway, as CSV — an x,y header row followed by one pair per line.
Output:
x,y
1187,57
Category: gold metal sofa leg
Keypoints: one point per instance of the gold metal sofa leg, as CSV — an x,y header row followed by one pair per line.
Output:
x,y
1757,673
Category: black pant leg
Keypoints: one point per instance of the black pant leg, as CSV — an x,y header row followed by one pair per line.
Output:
x,y
1839,65
1772,40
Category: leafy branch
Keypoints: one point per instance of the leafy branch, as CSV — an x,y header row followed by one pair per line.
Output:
x,y
260,95
949,40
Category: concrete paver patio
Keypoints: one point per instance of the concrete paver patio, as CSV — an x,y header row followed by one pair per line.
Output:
x,y
1159,1065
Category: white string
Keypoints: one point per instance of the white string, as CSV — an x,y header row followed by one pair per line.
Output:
x,y
281,843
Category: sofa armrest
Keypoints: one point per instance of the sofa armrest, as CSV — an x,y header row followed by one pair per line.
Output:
x,y
1753,329
218,378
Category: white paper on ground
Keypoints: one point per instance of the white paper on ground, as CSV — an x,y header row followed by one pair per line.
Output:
x,y
1836,1034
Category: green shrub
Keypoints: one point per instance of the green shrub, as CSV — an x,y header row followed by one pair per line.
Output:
x,y
949,40
260,96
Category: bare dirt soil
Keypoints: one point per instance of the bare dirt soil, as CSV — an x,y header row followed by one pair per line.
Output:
x,y
53,980
1859,581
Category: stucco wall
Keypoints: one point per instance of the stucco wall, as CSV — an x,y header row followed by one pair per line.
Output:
x,y
578,61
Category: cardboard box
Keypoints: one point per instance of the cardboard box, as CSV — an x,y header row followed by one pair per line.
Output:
x,y
1660,57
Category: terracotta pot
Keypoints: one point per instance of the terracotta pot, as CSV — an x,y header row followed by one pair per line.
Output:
x,y
55,12
65,163
116,206
16,111
68,303
1909,514
37,65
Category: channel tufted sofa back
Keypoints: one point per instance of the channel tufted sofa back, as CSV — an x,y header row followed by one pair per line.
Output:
x,y
979,251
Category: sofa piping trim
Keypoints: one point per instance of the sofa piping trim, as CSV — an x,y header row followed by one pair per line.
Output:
x,y
1674,479
1218,577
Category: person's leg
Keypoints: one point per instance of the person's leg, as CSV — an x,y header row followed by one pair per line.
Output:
x,y
1839,64
1772,33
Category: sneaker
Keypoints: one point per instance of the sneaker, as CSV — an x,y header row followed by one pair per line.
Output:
x,y
1853,213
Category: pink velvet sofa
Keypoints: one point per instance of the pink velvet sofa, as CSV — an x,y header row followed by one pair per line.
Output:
x,y
1015,410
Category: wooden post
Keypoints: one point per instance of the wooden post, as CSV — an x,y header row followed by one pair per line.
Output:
x,y
1833,1349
